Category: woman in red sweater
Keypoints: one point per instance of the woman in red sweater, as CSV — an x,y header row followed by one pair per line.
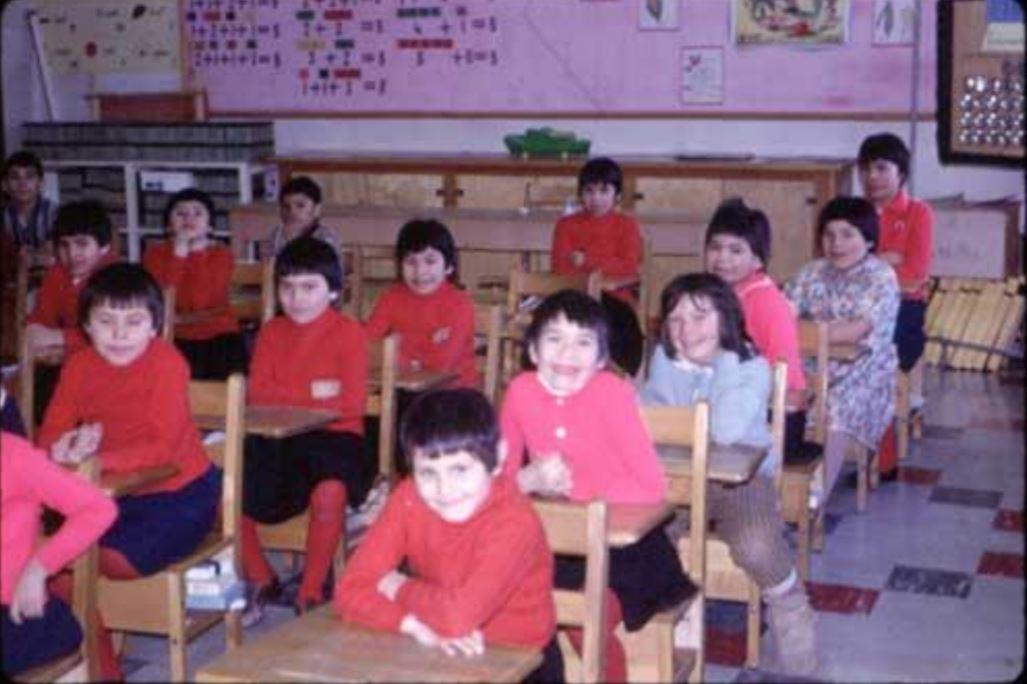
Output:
x,y
458,559
37,627
200,270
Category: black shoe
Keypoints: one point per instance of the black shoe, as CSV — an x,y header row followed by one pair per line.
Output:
x,y
257,601
889,476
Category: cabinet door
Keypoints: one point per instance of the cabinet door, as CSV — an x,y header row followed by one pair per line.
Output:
x,y
381,189
791,208
696,198
515,192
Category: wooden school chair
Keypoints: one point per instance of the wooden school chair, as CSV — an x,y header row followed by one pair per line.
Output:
x,y
526,289
908,421
372,268
579,529
651,652
290,535
156,604
797,479
82,664
252,291
488,329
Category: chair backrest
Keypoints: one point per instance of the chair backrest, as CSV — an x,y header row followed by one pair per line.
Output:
x,y
488,326
382,372
778,390
252,290
813,345
225,399
533,283
370,267
168,329
579,529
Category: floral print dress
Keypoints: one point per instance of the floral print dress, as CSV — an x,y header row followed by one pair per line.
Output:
x,y
861,398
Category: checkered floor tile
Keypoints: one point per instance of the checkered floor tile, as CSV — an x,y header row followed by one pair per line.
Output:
x,y
913,475
930,581
966,497
1001,564
839,598
942,432
1008,521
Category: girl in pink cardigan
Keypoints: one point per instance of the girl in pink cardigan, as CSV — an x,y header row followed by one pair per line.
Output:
x,y
574,429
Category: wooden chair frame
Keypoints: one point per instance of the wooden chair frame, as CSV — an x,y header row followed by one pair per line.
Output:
x,y
679,426
580,530
155,604
253,274
488,325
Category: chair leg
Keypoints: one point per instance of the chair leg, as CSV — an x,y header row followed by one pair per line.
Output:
x,y
817,538
874,469
233,629
752,630
176,628
803,534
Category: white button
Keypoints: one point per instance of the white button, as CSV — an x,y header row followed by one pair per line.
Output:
x,y
561,432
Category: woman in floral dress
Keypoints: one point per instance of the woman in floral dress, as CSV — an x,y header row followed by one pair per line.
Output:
x,y
858,295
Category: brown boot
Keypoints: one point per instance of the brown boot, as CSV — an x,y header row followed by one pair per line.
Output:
x,y
793,624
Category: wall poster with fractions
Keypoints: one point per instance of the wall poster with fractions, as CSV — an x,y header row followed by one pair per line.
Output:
x,y
463,57
110,36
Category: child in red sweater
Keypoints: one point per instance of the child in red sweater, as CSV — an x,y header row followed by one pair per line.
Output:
x,y
434,317
200,270
37,627
582,432
313,357
124,400
458,558
599,237
737,250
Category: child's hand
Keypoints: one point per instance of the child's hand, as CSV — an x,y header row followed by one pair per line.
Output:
x,y
40,336
577,258
547,474
440,335
76,445
389,584
471,645
421,632
29,597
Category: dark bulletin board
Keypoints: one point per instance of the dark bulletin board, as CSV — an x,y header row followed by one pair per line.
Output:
x,y
980,86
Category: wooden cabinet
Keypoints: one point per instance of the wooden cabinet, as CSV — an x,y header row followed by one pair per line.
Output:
x,y
789,191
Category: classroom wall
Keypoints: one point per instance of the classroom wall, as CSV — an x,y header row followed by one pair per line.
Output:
x,y
23,100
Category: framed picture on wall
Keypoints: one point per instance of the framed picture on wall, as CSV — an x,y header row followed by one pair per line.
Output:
x,y
817,22
658,15
702,75
893,22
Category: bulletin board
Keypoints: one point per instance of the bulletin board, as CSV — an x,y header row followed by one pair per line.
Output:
x,y
981,82
509,58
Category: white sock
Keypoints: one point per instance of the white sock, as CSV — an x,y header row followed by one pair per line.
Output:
x,y
783,587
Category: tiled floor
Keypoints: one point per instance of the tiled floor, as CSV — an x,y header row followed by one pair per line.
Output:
x,y
927,585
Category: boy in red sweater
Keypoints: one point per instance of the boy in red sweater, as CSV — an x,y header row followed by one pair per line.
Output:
x,y
476,569
82,234
200,270
37,627
313,357
124,400
601,238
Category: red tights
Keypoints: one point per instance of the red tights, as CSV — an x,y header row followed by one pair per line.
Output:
x,y
324,530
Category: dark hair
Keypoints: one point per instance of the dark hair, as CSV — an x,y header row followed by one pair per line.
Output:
x,y
421,234
122,285
301,185
189,195
309,255
601,170
83,217
887,146
445,421
855,210
715,289
732,217
579,309
23,158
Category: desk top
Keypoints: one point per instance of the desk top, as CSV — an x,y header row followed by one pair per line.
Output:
x,y
320,647
845,351
422,380
274,421
727,464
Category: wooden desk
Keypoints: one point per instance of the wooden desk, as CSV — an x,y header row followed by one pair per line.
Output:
x,y
845,351
629,523
320,647
422,380
274,421
727,465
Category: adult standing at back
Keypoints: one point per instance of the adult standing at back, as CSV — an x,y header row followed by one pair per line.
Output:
x,y
905,242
